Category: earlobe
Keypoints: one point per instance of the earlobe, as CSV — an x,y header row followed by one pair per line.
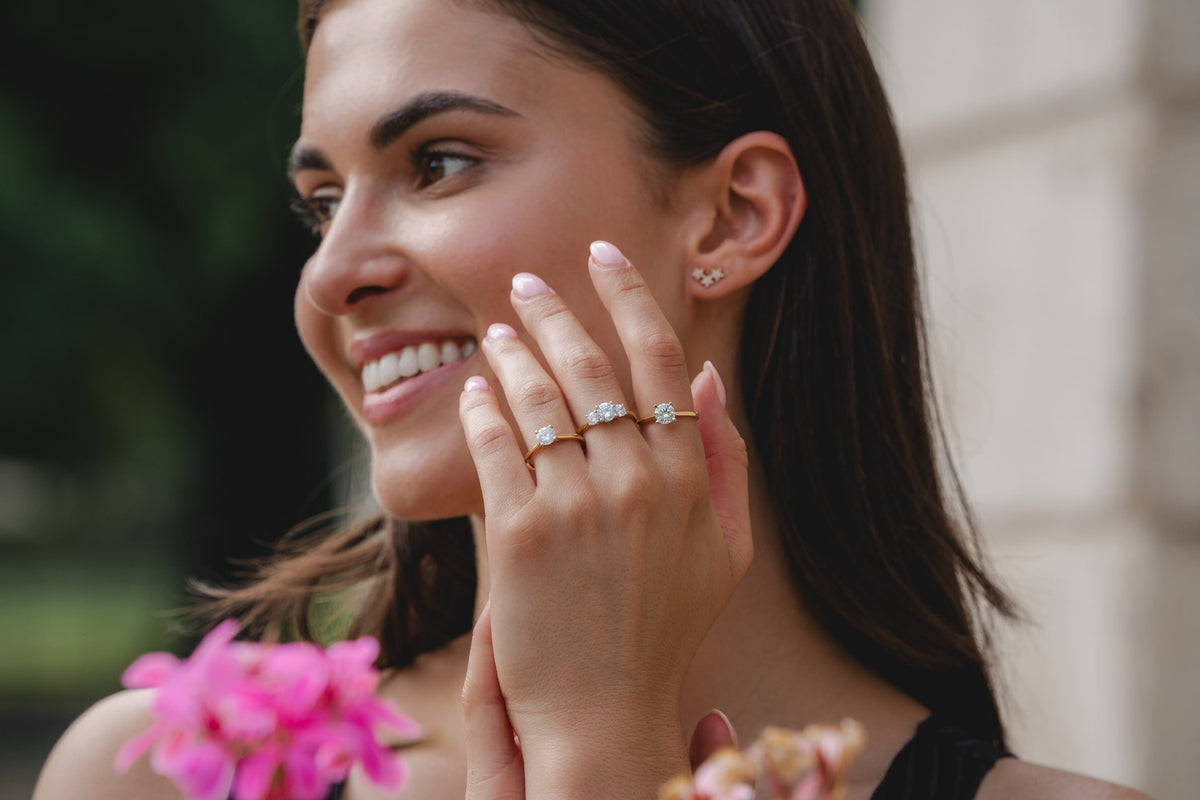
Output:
x,y
751,204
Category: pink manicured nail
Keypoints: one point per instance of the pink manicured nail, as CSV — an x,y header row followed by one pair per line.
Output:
x,y
499,330
528,286
476,383
729,725
607,255
708,365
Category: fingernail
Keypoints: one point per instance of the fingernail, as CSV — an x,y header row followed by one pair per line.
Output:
x,y
476,383
728,725
528,286
708,365
607,255
499,330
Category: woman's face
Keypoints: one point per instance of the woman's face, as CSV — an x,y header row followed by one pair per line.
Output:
x,y
443,151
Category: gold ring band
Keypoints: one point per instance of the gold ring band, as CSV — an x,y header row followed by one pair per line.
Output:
x,y
665,414
547,437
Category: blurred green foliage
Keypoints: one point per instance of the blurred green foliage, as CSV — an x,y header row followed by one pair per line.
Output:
x,y
158,415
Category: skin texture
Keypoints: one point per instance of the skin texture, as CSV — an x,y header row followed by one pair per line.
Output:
x,y
613,615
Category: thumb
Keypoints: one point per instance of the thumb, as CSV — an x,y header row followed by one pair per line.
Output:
x,y
728,467
495,769
713,732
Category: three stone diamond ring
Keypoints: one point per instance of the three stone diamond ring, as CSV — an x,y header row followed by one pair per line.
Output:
x,y
605,412
546,437
665,414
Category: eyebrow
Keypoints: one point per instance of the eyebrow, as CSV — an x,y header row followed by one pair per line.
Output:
x,y
395,124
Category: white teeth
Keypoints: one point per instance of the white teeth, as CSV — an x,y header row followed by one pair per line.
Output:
x,y
389,369
409,365
429,356
413,360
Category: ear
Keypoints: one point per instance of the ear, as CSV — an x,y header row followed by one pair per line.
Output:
x,y
746,206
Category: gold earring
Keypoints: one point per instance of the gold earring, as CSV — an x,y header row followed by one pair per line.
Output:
x,y
709,277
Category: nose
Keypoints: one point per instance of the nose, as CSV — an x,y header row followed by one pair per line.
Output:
x,y
356,261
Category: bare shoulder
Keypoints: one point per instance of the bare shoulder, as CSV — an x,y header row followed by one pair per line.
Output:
x,y
430,691
1012,779
80,766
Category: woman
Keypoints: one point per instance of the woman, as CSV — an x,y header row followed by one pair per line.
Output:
x,y
533,212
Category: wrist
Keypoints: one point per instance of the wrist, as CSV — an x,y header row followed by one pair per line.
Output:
x,y
600,761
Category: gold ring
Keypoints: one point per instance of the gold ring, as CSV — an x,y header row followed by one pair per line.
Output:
x,y
665,414
546,437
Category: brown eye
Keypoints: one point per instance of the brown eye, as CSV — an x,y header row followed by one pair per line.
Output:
x,y
437,166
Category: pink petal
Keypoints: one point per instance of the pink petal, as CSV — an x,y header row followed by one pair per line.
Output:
x,y
207,772
255,774
135,748
149,671
304,781
383,766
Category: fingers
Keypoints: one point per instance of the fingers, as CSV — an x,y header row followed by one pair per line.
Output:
x,y
495,770
713,732
728,463
534,397
494,449
656,358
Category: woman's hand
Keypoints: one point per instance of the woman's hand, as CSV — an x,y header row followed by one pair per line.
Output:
x,y
607,566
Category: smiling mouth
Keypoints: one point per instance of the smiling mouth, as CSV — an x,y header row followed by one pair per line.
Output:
x,y
408,362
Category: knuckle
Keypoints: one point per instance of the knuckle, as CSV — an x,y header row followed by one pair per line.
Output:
x,y
536,394
527,534
491,438
587,362
662,349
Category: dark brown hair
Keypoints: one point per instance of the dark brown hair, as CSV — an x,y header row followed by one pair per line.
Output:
x,y
834,369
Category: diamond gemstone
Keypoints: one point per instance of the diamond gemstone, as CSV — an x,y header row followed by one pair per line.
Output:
x,y
545,436
593,418
664,413
621,410
607,411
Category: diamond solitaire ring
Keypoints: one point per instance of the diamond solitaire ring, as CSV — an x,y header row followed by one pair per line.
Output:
x,y
546,437
605,412
665,414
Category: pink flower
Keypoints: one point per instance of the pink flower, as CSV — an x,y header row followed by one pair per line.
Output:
x,y
265,722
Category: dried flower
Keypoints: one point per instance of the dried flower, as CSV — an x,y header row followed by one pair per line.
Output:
x,y
791,765
265,722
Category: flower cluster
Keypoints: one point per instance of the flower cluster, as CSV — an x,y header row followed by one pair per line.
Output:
x,y
265,722
792,765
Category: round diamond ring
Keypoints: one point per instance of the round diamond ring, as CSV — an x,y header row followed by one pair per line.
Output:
x,y
665,414
546,437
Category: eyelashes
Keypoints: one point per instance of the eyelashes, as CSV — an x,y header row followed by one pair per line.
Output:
x,y
432,167
312,212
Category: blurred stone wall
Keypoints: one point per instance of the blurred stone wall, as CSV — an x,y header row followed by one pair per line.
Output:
x,y
1054,150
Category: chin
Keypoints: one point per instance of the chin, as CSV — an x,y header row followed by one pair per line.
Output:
x,y
421,489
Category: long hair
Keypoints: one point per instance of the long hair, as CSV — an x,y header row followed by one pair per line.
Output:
x,y
834,367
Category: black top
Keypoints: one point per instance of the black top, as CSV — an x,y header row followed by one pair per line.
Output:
x,y
940,762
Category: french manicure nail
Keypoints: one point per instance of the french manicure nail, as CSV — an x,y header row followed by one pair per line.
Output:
x,y
607,255
528,286
708,365
499,330
476,383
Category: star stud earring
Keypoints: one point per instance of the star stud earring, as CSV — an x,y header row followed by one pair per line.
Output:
x,y
709,277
